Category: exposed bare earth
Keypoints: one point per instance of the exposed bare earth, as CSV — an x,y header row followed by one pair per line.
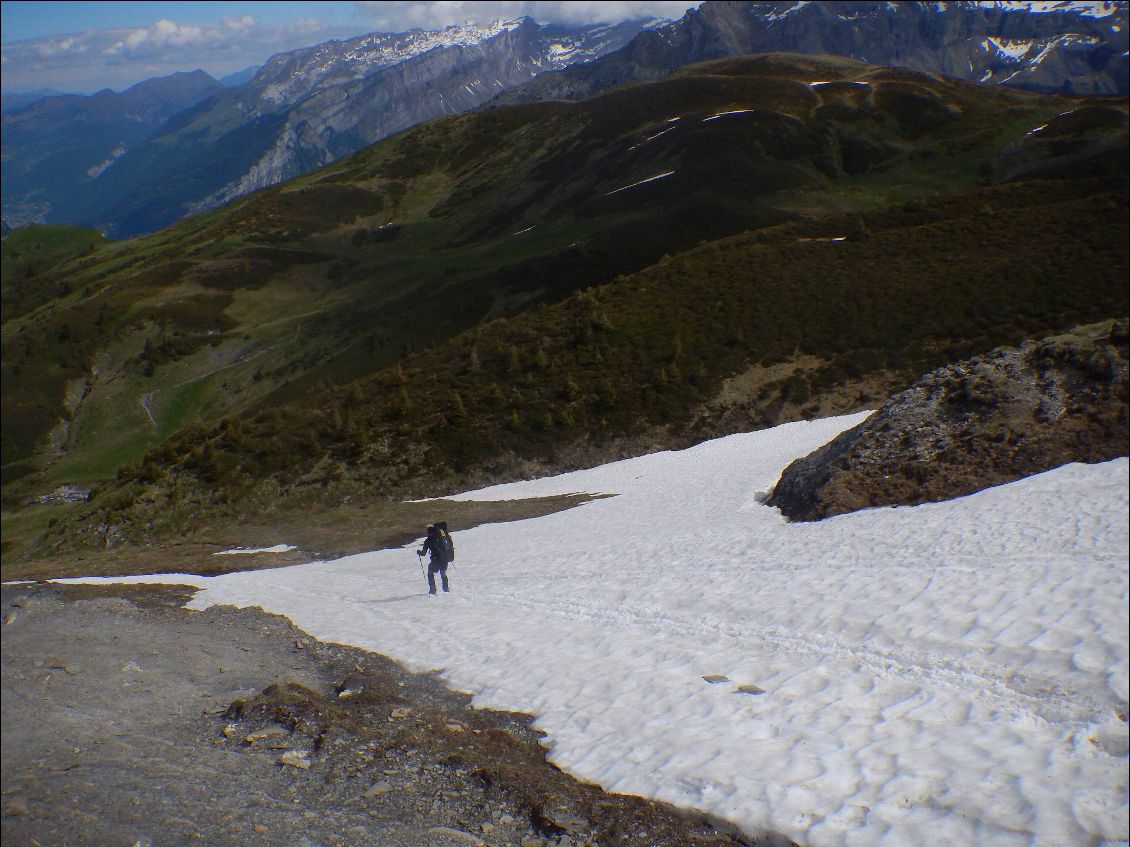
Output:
x,y
324,533
128,720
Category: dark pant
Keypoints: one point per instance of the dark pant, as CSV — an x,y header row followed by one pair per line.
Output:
x,y
433,569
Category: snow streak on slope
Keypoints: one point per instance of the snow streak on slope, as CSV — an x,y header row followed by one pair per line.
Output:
x,y
952,673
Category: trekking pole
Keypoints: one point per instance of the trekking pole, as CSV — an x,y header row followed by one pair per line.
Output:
x,y
420,559
451,564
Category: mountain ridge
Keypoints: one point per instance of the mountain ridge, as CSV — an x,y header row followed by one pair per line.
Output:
x,y
1076,49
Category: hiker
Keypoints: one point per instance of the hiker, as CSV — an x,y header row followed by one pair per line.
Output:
x,y
439,547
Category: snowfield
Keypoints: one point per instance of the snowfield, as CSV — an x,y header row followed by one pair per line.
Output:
x,y
952,673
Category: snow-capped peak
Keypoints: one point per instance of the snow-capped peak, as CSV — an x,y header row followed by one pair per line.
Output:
x,y
340,61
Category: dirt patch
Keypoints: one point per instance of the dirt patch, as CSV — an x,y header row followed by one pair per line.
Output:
x,y
325,533
129,720
767,395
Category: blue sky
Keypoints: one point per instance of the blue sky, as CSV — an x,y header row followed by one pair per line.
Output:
x,y
86,46
29,20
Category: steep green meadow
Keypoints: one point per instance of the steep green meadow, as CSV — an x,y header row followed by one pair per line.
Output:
x,y
31,252
505,290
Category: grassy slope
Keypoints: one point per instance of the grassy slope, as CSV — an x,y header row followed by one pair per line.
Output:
x,y
300,298
642,361
32,251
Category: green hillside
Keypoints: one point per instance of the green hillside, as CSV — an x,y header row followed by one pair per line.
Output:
x,y
557,283
29,253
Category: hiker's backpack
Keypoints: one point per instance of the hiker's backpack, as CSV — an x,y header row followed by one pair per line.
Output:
x,y
445,547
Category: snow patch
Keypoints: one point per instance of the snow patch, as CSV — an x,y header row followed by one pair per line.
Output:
x,y
97,170
236,551
857,82
779,13
1083,8
641,182
651,138
726,114
952,673
1014,50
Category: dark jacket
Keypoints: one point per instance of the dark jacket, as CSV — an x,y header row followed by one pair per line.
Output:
x,y
434,547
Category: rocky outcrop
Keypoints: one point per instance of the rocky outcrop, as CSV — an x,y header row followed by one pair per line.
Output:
x,y
1077,48
965,427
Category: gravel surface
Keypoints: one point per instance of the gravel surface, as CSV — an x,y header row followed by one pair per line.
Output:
x,y
128,720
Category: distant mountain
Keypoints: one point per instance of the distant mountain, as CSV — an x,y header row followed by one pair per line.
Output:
x,y
18,100
239,77
306,108
1072,48
56,144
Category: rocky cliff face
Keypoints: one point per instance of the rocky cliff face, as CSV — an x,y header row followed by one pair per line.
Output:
x,y
372,97
1077,48
969,426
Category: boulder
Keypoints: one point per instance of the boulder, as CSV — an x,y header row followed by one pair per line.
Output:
x,y
993,419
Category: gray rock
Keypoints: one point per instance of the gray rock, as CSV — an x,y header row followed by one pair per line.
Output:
x,y
447,835
1009,414
377,789
296,759
749,688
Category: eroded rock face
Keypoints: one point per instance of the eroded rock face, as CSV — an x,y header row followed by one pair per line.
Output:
x,y
983,422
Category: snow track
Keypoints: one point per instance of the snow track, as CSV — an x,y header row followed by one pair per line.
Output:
x,y
953,673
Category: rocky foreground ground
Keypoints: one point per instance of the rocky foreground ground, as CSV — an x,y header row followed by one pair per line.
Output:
x,y
128,720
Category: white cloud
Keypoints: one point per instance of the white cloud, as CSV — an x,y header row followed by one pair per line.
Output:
x,y
397,16
119,57
165,35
